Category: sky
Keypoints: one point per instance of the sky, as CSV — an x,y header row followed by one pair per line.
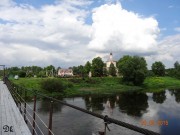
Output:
x,y
68,33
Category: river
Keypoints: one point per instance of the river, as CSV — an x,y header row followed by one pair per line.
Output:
x,y
159,112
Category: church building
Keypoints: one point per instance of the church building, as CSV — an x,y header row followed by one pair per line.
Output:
x,y
109,61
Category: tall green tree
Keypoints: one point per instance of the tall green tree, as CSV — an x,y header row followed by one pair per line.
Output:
x,y
112,70
176,65
97,67
177,69
87,67
13,71
133,69
75,70
158,68
81,70
105,72
50,70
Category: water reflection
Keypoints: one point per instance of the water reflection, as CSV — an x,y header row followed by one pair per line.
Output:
x,y
176,94
94,103
147,106
159,97
45,105
133,103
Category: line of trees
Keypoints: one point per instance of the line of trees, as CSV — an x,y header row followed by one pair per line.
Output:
x,y
31,71
97,68
132,69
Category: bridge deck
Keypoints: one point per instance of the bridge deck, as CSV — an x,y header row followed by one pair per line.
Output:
x,y
11,119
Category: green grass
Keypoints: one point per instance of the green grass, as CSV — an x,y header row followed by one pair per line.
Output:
x,y
103,86
30,83
153,84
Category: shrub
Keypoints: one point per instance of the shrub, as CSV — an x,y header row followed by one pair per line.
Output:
x,y
53,85
22,74
91,81
75,80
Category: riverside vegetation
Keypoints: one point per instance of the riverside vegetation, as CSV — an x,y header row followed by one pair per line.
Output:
x,y
133,75
70,87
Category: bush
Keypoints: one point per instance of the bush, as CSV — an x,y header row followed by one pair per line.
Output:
x,y
75,80
91,81
22,74
53,85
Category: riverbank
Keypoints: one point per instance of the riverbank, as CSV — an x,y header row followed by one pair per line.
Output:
x,y
103,86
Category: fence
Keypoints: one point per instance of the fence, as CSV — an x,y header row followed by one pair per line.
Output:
x,y
20,97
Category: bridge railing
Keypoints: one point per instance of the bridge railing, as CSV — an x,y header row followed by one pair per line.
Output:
x,y
20,96
31,117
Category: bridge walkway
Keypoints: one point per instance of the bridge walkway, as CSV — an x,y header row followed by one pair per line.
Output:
x,y
11,120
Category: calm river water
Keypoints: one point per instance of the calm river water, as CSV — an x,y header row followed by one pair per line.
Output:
x,y
159,112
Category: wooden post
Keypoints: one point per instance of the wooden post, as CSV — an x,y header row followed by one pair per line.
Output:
x,y
50,117
34,115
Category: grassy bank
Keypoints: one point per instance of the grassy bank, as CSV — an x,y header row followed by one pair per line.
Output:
x,y
107,85
154,84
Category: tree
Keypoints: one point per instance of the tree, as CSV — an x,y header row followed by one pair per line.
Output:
x,y
75,70
105,72
87,67
97,67
177,69
112,70
177,65
22,74
159,97
50,70
81,70
41,74
158,68
133,69
13,71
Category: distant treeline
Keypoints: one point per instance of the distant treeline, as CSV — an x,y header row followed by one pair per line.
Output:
x,y
133,69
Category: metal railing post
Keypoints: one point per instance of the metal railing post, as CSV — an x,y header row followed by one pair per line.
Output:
x,y
14,94
20,93
34,114
25,96
50,117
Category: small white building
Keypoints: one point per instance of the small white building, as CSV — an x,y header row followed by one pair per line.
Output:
x,y
16,77
65,72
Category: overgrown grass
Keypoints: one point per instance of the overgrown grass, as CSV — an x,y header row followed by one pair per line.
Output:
x,y
154,84
102,86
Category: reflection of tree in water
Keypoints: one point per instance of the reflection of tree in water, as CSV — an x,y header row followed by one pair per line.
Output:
x,y
111,101
176,94
45,106
94,102
159,97
133,103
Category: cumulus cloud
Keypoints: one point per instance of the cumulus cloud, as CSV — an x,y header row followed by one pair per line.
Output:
x,y
168,51
44,35
58,34
7,3
119,30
